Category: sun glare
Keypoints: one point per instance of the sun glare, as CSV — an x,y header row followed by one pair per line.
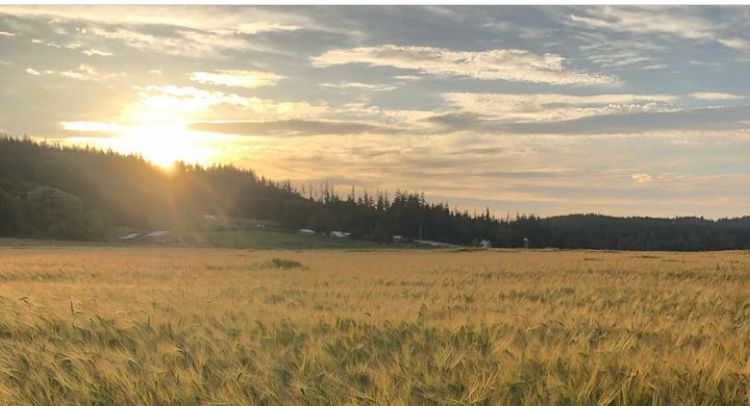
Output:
x,y
166,144
156,128
162,145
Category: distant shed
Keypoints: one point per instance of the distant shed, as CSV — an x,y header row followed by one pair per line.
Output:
x,y
129,237
161,236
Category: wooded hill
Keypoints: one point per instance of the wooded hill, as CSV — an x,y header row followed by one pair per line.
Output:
x,y
48,191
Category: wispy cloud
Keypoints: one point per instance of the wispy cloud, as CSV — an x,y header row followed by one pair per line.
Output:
x,y
186,43
191,103
81,72
513,65
666,20
619,54
242,20
183,31
96,52
738,43
713,64
606,124
408,77
656,66
262,26
676,21
185,99
93,126
642,178
291,128
716,96
734,117
360,86
538,107
236,78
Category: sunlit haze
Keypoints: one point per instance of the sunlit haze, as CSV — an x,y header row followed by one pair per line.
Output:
x,y
545,110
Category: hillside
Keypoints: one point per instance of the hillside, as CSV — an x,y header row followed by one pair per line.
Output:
x,y
47,191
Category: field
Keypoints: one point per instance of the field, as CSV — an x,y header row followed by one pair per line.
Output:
x,y
148,326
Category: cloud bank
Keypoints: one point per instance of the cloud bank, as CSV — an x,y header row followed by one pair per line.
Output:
x,y
513,65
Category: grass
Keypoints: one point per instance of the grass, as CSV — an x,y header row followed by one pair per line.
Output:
x,y
135,326
280,263
275,263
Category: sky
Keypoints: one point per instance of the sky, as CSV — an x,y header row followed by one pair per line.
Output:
x,y
520,109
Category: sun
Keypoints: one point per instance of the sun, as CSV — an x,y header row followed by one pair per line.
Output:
x,y
160,144
157,127
160,131
165,144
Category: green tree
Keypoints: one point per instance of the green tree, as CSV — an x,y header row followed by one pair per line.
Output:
x,y
60,214
11,216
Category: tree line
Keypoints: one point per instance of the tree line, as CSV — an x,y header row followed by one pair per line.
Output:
x,y
47,190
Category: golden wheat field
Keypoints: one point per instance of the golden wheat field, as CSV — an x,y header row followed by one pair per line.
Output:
x,y
156,326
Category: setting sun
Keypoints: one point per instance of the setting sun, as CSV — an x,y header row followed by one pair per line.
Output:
x,y
155,127
164,145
